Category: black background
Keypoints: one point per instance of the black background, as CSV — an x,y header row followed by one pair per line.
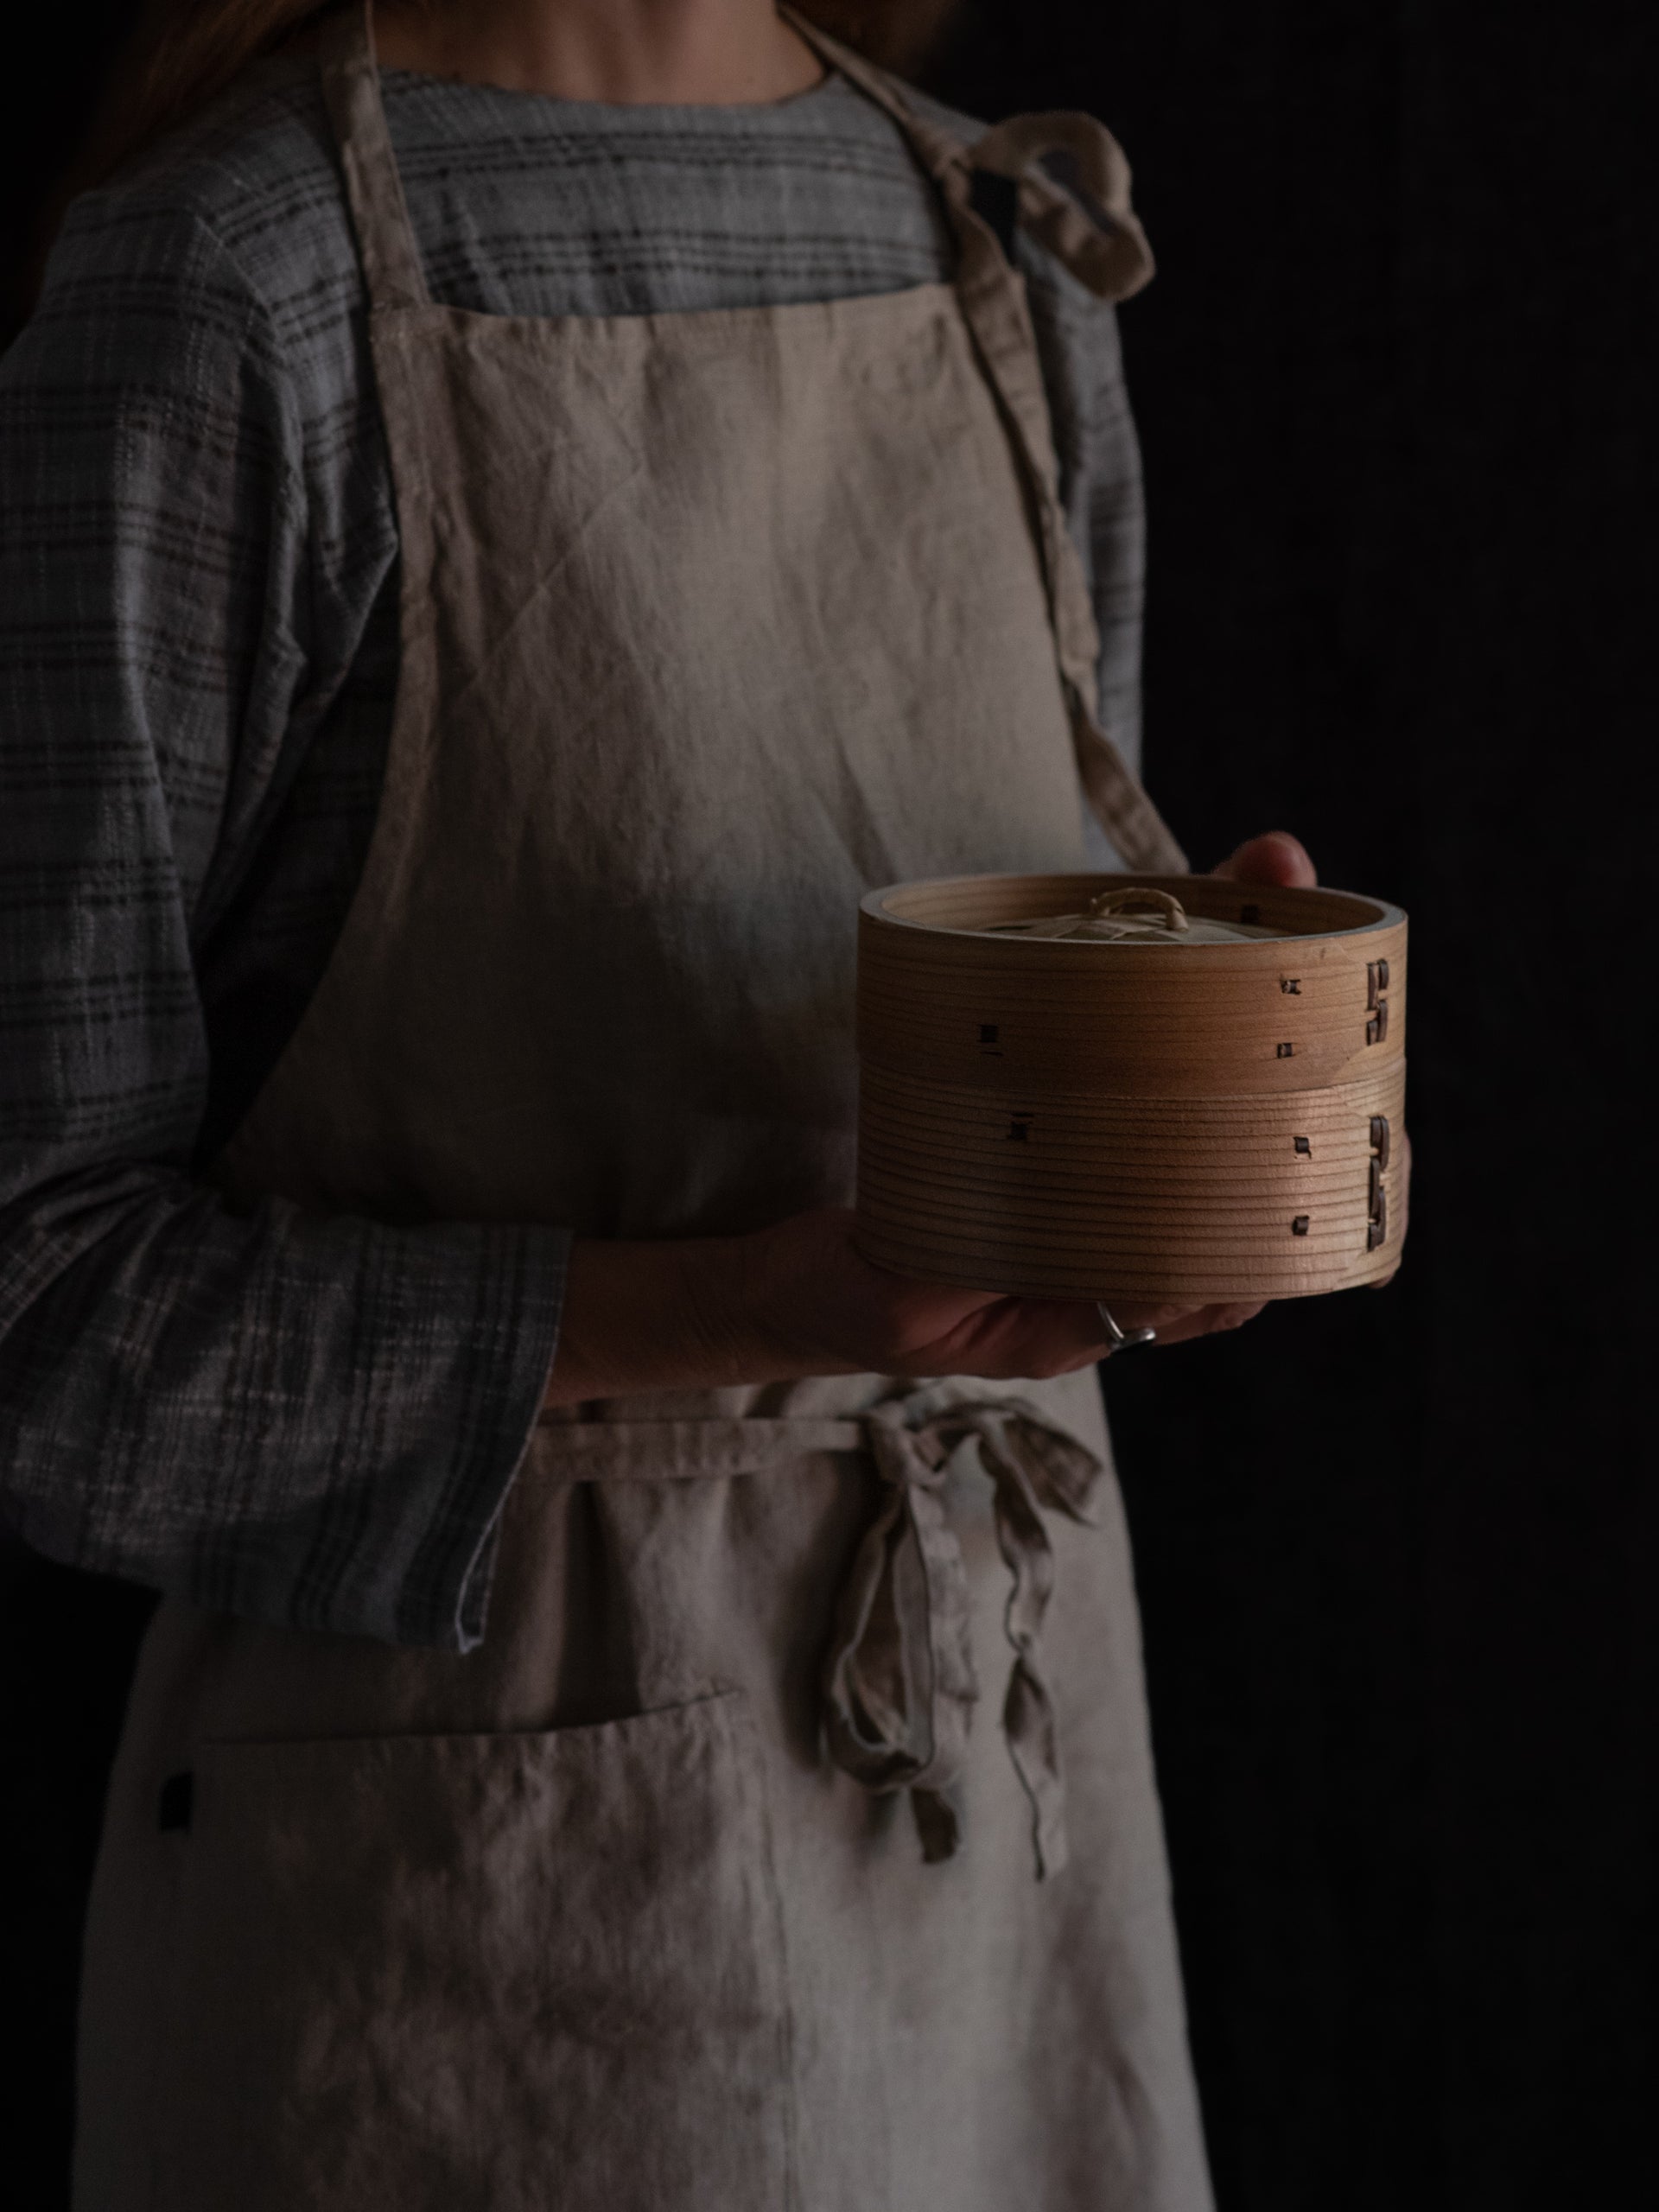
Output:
x,y
1397,1551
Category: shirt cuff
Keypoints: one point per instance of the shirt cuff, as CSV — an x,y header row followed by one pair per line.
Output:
x,y
500,1383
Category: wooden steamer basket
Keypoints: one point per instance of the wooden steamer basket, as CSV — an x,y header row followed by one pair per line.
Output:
x,y
1154,1121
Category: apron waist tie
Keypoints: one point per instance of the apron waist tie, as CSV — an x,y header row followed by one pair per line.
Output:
x,y
898,1682
899,1685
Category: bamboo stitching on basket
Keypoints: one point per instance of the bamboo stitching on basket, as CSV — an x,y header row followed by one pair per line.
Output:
x,y
1060,1117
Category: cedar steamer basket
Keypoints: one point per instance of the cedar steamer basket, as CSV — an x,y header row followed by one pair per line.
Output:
x,y
1146,1121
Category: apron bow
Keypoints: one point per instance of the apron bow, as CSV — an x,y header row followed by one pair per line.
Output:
x,y
899,1685
1093,231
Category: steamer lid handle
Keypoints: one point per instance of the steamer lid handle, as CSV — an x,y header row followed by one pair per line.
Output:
x,y
1134,901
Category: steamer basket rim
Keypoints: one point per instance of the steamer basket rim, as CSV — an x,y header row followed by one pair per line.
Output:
x,y
1384,914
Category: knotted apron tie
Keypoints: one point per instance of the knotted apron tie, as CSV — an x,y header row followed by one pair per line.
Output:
x,y
899,1685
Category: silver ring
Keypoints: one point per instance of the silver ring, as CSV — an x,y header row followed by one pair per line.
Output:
x,y
1122,1340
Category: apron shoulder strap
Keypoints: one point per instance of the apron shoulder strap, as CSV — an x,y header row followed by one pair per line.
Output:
x,y
374,191
1105,250
1111,257
1108,253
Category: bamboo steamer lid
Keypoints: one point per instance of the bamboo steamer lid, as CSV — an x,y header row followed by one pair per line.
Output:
x,y
1113,1104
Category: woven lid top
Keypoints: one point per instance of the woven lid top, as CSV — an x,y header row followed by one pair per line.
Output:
x,y
1135,915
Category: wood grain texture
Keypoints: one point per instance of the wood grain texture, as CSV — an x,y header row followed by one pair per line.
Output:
x,y
1068,1118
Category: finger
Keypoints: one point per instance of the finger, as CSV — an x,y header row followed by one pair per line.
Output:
x,y
1235,1316
1209,1321
1276,859
1035,1337
1027,1337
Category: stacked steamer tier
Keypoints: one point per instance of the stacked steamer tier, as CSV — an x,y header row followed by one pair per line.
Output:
x,y
1185,1112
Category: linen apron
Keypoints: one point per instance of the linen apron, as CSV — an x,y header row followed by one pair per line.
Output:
x,y
710,622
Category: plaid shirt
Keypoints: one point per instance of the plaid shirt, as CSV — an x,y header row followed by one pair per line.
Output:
x,y
301,1420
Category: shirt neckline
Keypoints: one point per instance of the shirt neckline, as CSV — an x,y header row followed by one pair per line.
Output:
x,y
622,115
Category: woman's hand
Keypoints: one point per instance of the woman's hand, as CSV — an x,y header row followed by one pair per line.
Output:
x,y
799,1298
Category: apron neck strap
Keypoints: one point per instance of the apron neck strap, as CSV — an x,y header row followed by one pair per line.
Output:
x,y
374,191
1110,256
1106,249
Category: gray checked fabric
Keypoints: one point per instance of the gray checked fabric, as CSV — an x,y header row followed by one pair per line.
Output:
x,y
299,1419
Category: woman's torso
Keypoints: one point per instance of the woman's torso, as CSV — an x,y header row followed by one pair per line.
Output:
x,y
717,1569
289,606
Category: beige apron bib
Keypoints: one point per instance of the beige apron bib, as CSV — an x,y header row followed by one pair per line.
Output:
x,y
710,622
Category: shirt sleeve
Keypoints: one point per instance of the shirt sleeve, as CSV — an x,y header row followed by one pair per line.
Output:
x,y
307,1420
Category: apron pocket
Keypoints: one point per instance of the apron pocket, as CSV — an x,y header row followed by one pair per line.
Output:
x,y
502,1972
